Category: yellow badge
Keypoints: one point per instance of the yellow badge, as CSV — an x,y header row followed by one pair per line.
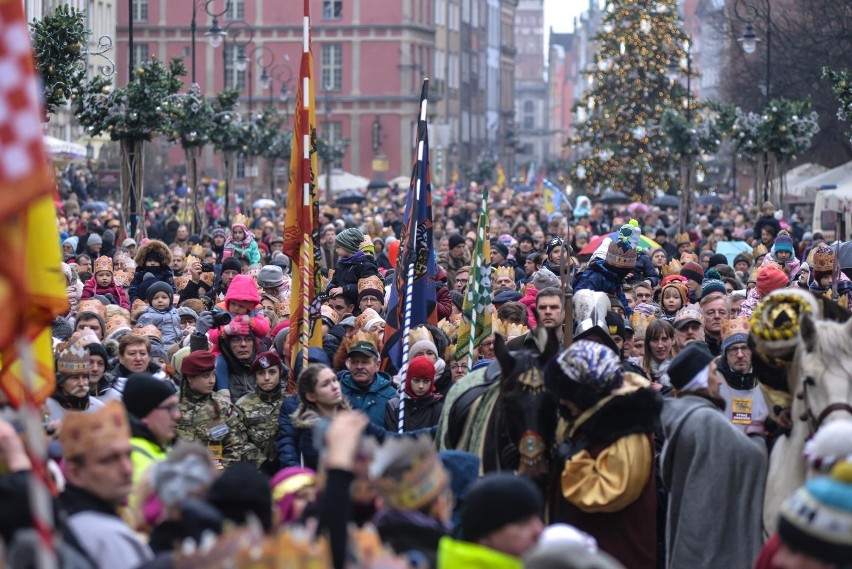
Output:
x,y
216,450
741,411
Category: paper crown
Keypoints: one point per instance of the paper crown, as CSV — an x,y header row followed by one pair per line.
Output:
x,y
419,485
682,239
513,330
122,278
196,251
640,323
208,278
181,282
115,325
688,257
775,320
367,319
420,334
823,260
450,327
688,312
363,336
93,306
367,245
72,357
150,330
138,304
191,260
103,263
282,309
328,312
673,267
759,251
504,271
733,327
371,285
240,219
84,432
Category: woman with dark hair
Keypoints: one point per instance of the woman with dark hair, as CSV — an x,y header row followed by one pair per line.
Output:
x,y
659,339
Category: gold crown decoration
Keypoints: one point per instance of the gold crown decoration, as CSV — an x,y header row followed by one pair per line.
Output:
x,y
328,312
208,278
503,271
83,432
196,251
673,267
103,263
115,324
682,239
734,326
367,319
367,245
181,282
640,323
513,330
122,278
240,219
72,357
759,251
686,257
420,334
420,483
281,309
774,323
93,306
497,326
371,283
823,260
364,336
150,330
450,327
191,260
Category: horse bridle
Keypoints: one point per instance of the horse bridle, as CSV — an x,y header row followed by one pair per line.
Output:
x,y
815,422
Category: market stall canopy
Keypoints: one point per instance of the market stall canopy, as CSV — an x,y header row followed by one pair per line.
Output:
x,y
342,181
400,181
838,177
839,199
62,150
798,190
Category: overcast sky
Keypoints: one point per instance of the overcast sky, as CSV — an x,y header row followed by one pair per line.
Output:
x,y
560,13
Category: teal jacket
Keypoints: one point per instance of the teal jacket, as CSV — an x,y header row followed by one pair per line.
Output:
x,y
371,401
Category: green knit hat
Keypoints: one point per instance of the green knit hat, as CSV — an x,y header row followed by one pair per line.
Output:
x,y
350,239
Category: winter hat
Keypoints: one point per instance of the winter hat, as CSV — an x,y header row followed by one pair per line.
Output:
x,y
457,298
615,324
506,296
770,278
688,365
143,393
718,259
589,364
371,286
500,248
692,271
822,259
710,286
108,238
198,362
544,278
159,286
622,250
463,468
421,339
689,313
350,239
241,491
186,471
232,264
187,312
552,244
783,243
243,289
129,242
73,241
285,485
61,329
270,276
99,350
94,239
564,554
679,286
265,360
817,518
742,258
218,232
455,241
419,367
497,500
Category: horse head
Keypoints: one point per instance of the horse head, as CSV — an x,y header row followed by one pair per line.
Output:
x,y
529,411
824,390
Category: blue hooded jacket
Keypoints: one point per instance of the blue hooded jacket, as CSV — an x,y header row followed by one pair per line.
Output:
x,y
371,401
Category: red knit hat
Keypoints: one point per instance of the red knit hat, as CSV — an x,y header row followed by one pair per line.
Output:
x,y
420,367
198,362
771,278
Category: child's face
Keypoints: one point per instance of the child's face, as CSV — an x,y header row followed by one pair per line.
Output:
x,y
783,255
826,280
151,263
238,234
672,301
239,308
160,301
103,278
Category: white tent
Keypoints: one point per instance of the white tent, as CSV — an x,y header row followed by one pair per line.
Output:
x,y
798,190
62,150
837,177
342,181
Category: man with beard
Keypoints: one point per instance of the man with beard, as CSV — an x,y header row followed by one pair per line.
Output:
x,y
72,379
705,460
178,261
745,405
234,377
456,257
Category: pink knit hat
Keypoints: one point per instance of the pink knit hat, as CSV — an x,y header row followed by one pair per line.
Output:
x,y
285,485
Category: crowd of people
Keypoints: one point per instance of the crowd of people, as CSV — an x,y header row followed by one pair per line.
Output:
x,y
181,435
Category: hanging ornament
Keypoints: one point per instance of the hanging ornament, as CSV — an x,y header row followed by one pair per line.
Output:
x,y
639,132
622,47
644,26
660,8
606,154
581,172
607,28
699,176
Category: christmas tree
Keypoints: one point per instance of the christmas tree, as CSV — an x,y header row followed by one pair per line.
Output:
x,y
619,135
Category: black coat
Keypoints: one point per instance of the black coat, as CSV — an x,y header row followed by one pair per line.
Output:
x,y
412,534
161,274
419,413
348,271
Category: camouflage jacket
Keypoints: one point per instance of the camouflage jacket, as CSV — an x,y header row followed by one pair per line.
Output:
x,y
213,421
260,411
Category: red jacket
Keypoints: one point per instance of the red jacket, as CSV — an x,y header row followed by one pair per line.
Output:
x,y
91,288
444,302
529,301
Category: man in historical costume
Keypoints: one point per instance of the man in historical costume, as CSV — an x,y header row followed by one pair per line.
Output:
x,y
705,461
99,475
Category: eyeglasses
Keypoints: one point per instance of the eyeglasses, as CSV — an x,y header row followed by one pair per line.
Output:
x,y
458,367
170,408
743,349
487,344
643,295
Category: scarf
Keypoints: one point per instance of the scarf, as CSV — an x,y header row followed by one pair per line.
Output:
x,y
246,242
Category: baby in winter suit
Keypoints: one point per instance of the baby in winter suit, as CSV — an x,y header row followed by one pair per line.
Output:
x,y
161,313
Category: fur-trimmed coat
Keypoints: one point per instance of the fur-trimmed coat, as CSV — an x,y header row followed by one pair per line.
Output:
x,y
606,485
163,272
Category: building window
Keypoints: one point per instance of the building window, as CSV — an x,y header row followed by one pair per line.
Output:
x,y
240,167
140,53
236,10
332,67
233,77
140,10
332,9
332,131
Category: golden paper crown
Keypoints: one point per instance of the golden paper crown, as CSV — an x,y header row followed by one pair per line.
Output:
x,y
241,220
196,251
420,484
328,312
823,262
372,283
640,323
72,357
83,432
367,245
103,263
93,306
419,334
688,257
513,330
673,267
367,319
504,271
181,282
191,260
682,239
620,258
450,328
363,336
116,323
734,326
208,278
122,278
150,330
282,309
759,251
497,326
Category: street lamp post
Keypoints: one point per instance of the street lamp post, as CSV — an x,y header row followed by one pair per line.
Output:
x,y
264,58
748,11
282,73
246,29
215,34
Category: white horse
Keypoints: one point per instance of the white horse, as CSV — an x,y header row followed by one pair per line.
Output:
x,y
821,381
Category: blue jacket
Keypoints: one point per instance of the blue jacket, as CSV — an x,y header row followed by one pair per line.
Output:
x,y
372,400
599,277
294,443
166,321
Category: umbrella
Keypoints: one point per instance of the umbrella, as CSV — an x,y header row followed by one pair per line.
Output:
x,y
264,203
638,208
710,199
645,244
377,185
95,206
666,200
400,181
613,198
730,249
349,197
60,149
342,181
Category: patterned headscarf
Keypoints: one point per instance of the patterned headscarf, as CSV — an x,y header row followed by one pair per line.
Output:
x,y
592,365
